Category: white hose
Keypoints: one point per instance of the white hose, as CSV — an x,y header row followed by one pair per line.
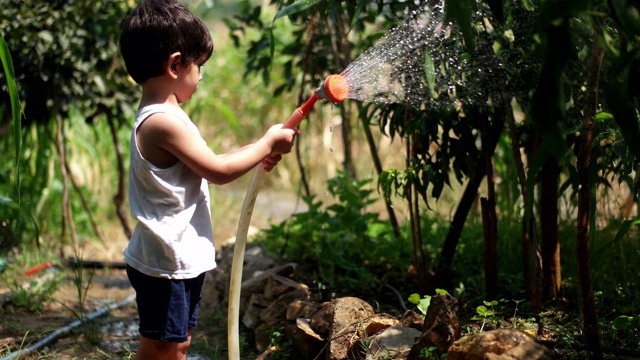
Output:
x,y
233,320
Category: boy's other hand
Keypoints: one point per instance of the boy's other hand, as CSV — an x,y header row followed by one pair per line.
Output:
x,y
270,162
281,139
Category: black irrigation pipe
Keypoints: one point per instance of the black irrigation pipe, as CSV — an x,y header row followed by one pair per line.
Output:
x,y
88,264
63,331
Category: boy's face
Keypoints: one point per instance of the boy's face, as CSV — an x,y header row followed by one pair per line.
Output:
x,y
188,79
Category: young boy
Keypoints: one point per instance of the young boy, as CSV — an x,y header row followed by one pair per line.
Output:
x,y
164,46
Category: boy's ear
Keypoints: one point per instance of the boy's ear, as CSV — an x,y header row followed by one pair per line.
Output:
x,y
174,61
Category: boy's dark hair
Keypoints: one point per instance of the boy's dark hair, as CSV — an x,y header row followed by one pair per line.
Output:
x,y
157,28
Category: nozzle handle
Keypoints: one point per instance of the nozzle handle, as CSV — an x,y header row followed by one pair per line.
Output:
x,y
300,113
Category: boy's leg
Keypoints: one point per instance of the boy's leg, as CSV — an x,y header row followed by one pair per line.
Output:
x,y
168,312
151,349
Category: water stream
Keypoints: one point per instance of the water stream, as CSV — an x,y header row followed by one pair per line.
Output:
x,y
421,63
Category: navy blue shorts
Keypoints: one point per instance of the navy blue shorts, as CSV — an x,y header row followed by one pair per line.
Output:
x,y
167,308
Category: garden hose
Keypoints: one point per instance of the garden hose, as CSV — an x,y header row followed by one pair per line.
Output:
x,y
335,89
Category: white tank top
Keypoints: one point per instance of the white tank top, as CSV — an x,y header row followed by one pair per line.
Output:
x,y
174,237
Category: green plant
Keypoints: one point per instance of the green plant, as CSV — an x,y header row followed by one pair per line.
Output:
x,y
515,311
82,283
487,312
431,353
346,244
37,294
423,303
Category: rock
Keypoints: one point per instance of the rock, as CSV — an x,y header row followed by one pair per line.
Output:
x,y
255,306
278,285
276,312
378,323
412,319
255,272
490,344
299,309
322,319
258,283
441,326
349,314
392,343
307,342
305,328
526,351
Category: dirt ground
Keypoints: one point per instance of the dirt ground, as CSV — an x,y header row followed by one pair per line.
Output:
x,y
113,335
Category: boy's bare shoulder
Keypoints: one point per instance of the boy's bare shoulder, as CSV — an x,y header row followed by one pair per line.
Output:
x,y
158,137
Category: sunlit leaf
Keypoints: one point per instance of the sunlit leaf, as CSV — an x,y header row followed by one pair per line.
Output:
x,y
295,8
7,65
430,73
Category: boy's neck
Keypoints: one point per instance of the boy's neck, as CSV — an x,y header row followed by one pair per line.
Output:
x,y
158,90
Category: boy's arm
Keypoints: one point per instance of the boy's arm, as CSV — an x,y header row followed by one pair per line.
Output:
x,y
162,136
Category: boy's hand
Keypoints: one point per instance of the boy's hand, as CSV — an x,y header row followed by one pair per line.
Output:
x,y
281,139
270,162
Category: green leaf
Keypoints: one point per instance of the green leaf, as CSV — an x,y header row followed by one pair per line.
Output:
x,y
483,311
423,306
623,322
227,113
294,8
459,11
430,73
414,299
622,231
603,116
361,5
16,110
442,292
528,5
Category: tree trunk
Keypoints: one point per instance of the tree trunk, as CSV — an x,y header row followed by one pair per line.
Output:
x,y
591,330
67,225
120,196
340,51
489,219
529,240
443,270
378,166
85,204
551,269
419,262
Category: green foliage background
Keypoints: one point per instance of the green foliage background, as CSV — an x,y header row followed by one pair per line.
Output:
x,y
66,67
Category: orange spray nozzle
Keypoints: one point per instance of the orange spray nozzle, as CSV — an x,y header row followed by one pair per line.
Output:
x,y
334,88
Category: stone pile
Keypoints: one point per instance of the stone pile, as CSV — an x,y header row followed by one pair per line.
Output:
x,y
348,327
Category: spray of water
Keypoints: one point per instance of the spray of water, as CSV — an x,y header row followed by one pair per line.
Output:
x,y
412,64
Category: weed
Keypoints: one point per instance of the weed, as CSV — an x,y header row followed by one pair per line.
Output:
x,y
35,295
486,313
513,323
91,330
